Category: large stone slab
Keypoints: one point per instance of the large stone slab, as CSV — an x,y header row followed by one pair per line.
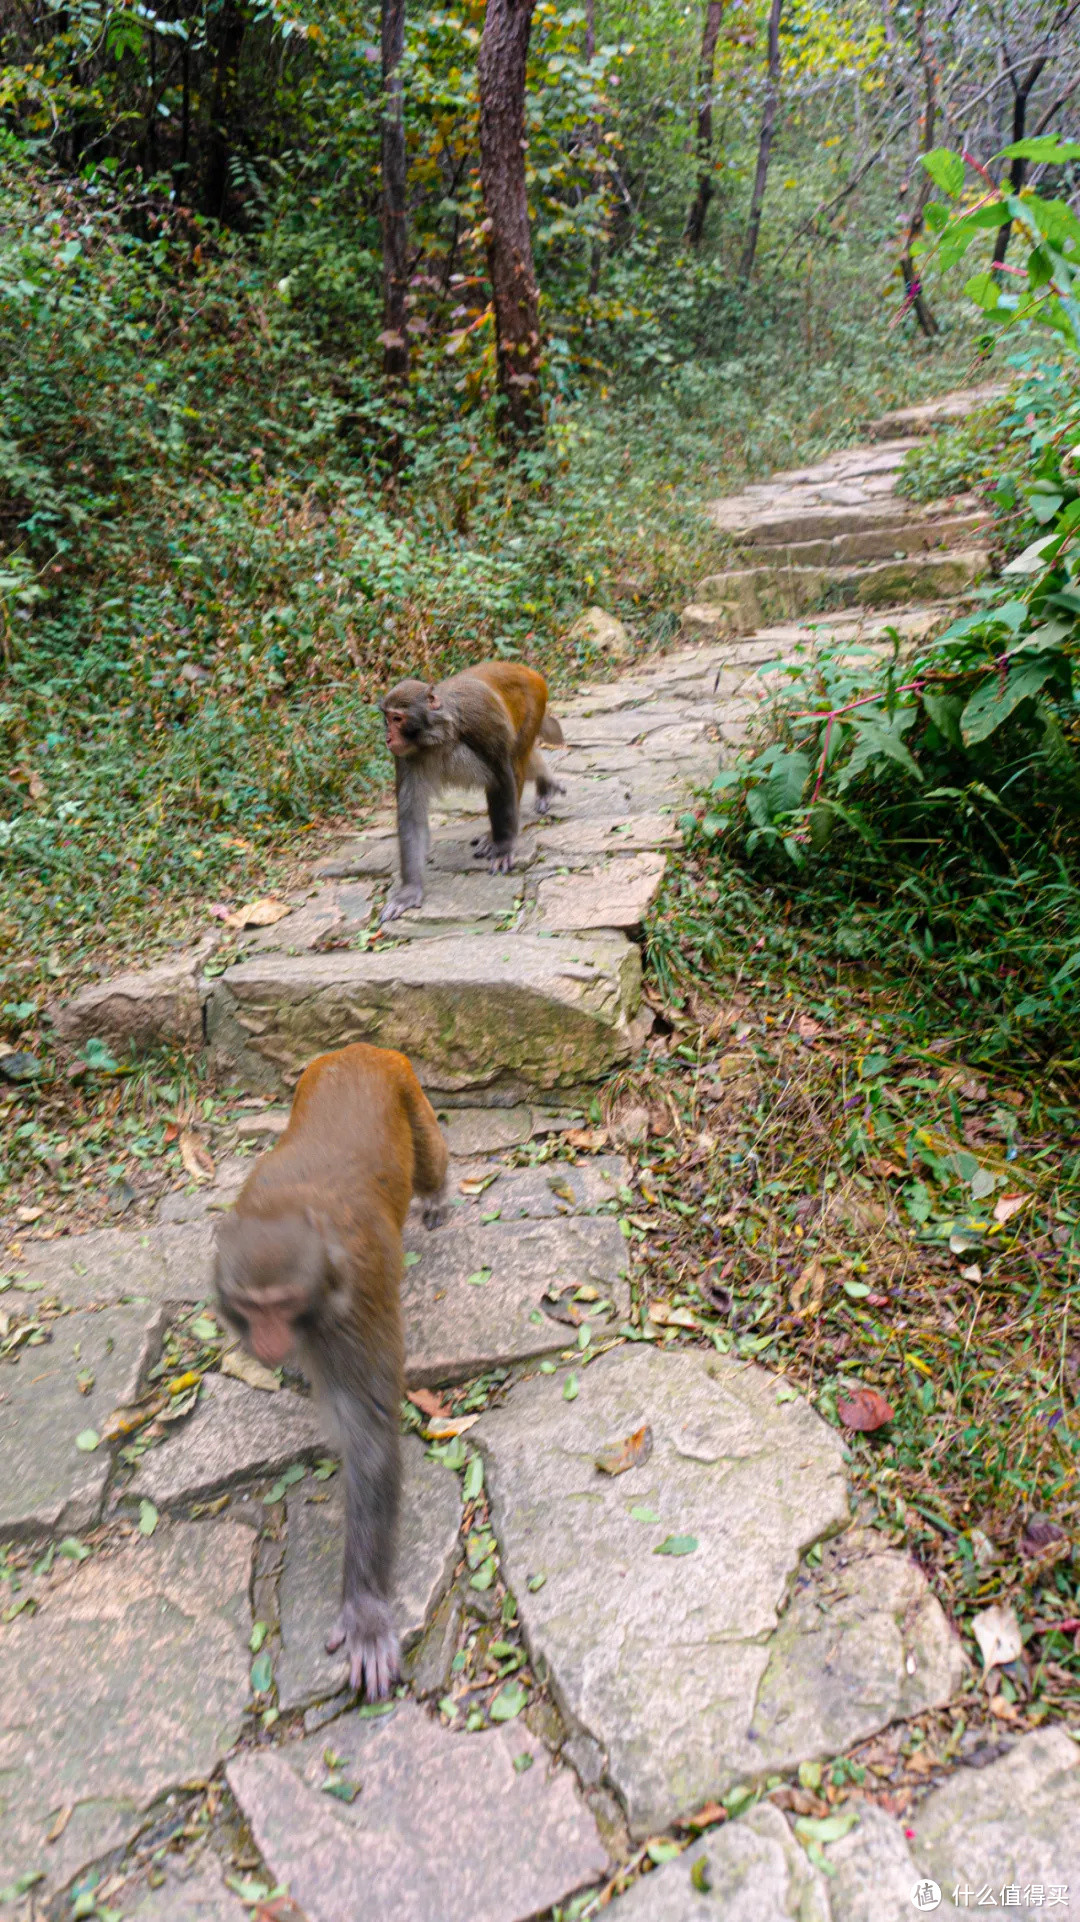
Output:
x,y
310,1591
191,1892
495,1015
141,1009
456,1326
1014,1825
170,1263
131,1679
446,1828
48,1486
755,1871
684,1668
940,412
232,1434
551,1189
617,893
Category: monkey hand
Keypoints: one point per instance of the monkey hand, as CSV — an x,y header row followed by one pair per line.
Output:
x,y
543,801
502,860
408,895
366,1628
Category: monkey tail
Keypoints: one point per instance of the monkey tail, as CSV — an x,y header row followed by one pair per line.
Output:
x,y
550,731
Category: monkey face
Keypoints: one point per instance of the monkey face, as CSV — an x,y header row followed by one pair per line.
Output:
x,y
272,1276
414,718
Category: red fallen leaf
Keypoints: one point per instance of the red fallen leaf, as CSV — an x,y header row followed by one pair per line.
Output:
x,y
619,1456
281,1909
426,1402
865,1410
705,1817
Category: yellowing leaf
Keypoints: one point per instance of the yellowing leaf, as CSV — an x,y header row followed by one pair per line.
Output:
x,y
195,1157
258,914
244,1367
1008,1206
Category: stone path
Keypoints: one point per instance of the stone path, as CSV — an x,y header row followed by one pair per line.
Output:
x,y
592,1657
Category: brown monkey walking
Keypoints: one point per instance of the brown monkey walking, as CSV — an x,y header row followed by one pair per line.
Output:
x,y
478,729
309,1261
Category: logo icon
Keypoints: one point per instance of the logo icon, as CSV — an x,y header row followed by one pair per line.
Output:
x,y
926,1896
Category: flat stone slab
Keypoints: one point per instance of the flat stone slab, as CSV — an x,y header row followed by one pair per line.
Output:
x,y
446,1828
332,914
191,1892
485,1131
929,414
48,1486
504,1014
755,1871
233,1434
166,1264
553,1188
139,1009
618,893
684,1667
309,1595
1011,1825
473,1301
131,1679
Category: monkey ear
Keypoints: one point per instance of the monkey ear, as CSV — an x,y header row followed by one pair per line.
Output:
x,y
432,698
337,1260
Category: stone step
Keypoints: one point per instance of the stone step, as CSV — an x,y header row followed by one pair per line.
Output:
x,y
890,539
745,598
929,415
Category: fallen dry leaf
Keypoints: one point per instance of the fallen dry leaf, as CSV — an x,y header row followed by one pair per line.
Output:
x,y
1040,1533
628,1453
196,1158
442,1427
667,1317
37,791
257,914
997,1631
812,1278
475,1184
428,1402
864,1410
60,1824
244,1367
1006,1206
1005,1711
125,1421
704,1818
807,1028
591,1139
29,1214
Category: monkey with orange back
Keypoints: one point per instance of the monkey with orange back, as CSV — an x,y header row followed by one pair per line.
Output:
x,y
308,1265
478,729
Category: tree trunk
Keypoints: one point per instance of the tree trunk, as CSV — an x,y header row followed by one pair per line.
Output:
x,y
699,206
768,128
913,293
592,133
226,39
392,205
504,47
1018,168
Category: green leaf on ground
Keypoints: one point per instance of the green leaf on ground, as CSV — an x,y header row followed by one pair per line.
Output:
x,y
677,1545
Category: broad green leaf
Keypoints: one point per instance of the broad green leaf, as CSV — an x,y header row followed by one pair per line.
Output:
x,y
827,1828
572,1389
262,1673
945,711
87,1441
784,787
474,1478
984,290
509,1702
946,170
992,703
148,1518
259,1632
676,1545
1042,148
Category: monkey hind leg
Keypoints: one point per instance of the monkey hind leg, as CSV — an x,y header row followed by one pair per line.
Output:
x,y
546,785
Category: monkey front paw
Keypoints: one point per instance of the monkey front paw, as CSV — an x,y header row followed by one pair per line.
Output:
x,y
481,846
366,1629
402,899
435,1210
502,861
543,801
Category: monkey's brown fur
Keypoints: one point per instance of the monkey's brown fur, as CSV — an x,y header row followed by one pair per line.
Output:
x,y
309,1261
478,729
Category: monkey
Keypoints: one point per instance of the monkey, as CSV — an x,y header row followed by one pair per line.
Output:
x,y
308,1264
478,729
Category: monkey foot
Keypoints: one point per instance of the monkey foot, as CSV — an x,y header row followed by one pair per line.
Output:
x,y
543,801
370,1639
401,899
435,1209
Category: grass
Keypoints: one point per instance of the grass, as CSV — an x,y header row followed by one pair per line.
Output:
x,y
834,1191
